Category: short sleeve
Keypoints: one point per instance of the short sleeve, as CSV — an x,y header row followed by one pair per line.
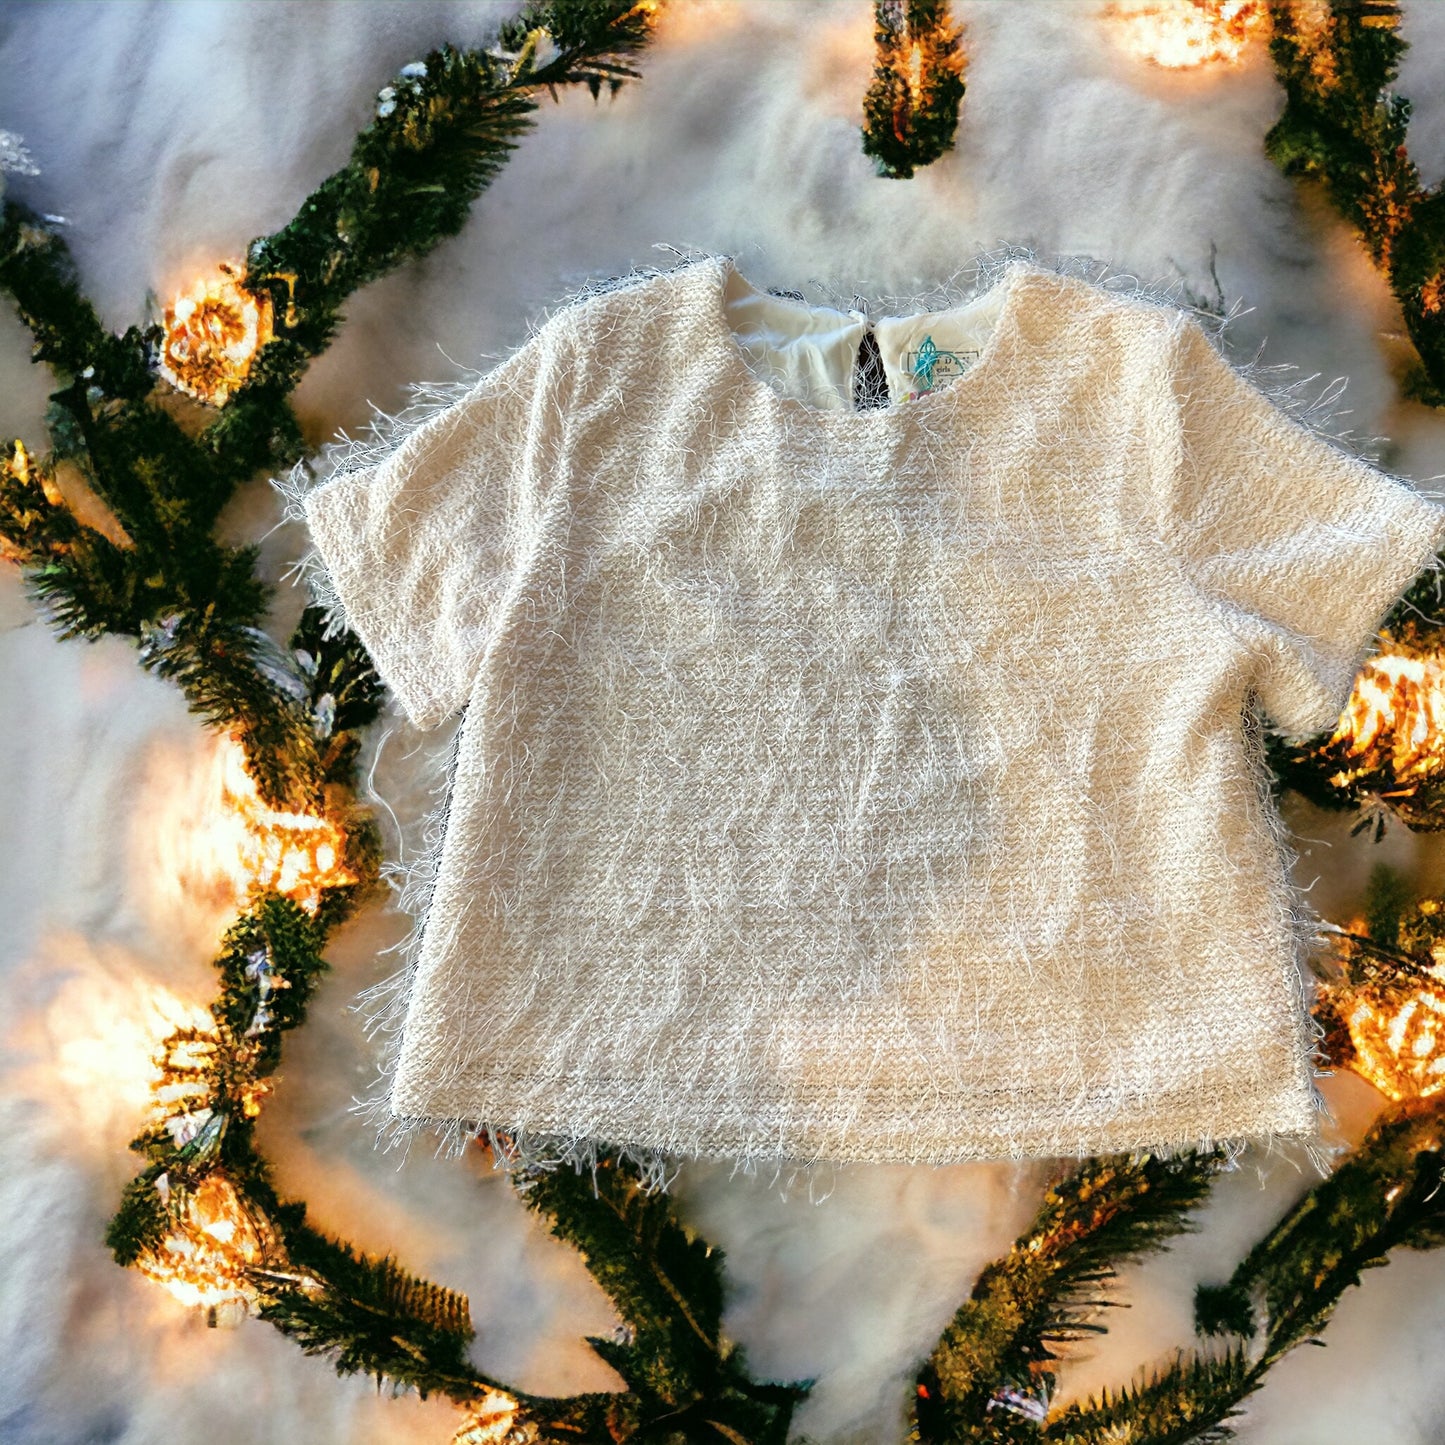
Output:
x,y
1303,547
426,547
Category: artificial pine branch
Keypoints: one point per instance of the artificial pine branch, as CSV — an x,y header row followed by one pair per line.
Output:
x,y
161,484
142,1220
667,1284
236,678
1389,1193
989,1376
37,270
910,112
573,30
1187,1404
75,574
442,132
371,1316
1343,127
270,964
1340,125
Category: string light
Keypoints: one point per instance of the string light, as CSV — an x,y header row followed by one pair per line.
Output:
x,y
1400,1040
1186,34
298,854
1394,719
214,1240
493,1421
212,335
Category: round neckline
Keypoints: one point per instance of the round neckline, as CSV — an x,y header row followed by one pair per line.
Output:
x,y
736,364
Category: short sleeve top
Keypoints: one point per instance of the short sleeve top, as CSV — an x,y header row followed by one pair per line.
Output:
x,y
873,784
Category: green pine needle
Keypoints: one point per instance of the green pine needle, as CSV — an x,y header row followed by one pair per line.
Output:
x,y
1109,1210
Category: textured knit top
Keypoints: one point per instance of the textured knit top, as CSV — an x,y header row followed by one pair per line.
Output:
x,y
865,784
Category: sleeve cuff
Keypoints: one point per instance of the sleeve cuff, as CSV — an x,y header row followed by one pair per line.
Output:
x,y
1415,528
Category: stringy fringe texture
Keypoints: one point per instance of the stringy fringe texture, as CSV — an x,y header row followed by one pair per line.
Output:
x,y
413,873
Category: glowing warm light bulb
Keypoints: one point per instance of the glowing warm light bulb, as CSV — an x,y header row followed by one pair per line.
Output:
x,y
203,1260
297,854
1185,34
1395,718
915,71
493,1421
212,335
1400,1044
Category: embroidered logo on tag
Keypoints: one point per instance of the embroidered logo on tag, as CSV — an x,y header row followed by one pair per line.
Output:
x,y
928,366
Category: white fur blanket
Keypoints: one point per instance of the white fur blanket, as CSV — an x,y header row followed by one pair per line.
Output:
x,y
169,136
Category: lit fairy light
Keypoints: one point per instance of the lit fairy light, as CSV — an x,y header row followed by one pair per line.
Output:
x,y
214,1240
1397,1027
1395,716
1400,1042
107,1033
914,72
29,489
187,1068
212,335
297,854
493,1421
186,1064
20,465
1185,34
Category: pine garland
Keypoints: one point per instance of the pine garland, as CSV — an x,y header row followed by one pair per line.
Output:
x,y
989,1378
667,1284
1343,127
910,112
196,610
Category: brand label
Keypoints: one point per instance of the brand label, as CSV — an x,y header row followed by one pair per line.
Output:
x,y
930,367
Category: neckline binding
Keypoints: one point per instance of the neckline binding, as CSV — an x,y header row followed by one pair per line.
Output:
x,y
719,269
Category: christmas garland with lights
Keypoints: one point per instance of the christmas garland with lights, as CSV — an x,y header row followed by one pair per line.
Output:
x,y
204,1215
910,112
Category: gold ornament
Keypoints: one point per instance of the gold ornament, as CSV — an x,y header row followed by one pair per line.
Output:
x,y
212,335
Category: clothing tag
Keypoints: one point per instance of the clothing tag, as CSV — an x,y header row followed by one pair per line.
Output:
x,y
924,353
930,366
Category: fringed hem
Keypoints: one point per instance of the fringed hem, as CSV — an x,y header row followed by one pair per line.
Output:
x,y
413,879
522,1154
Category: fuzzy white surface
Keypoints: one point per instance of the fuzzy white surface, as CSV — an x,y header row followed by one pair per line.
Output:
x,y
171,135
